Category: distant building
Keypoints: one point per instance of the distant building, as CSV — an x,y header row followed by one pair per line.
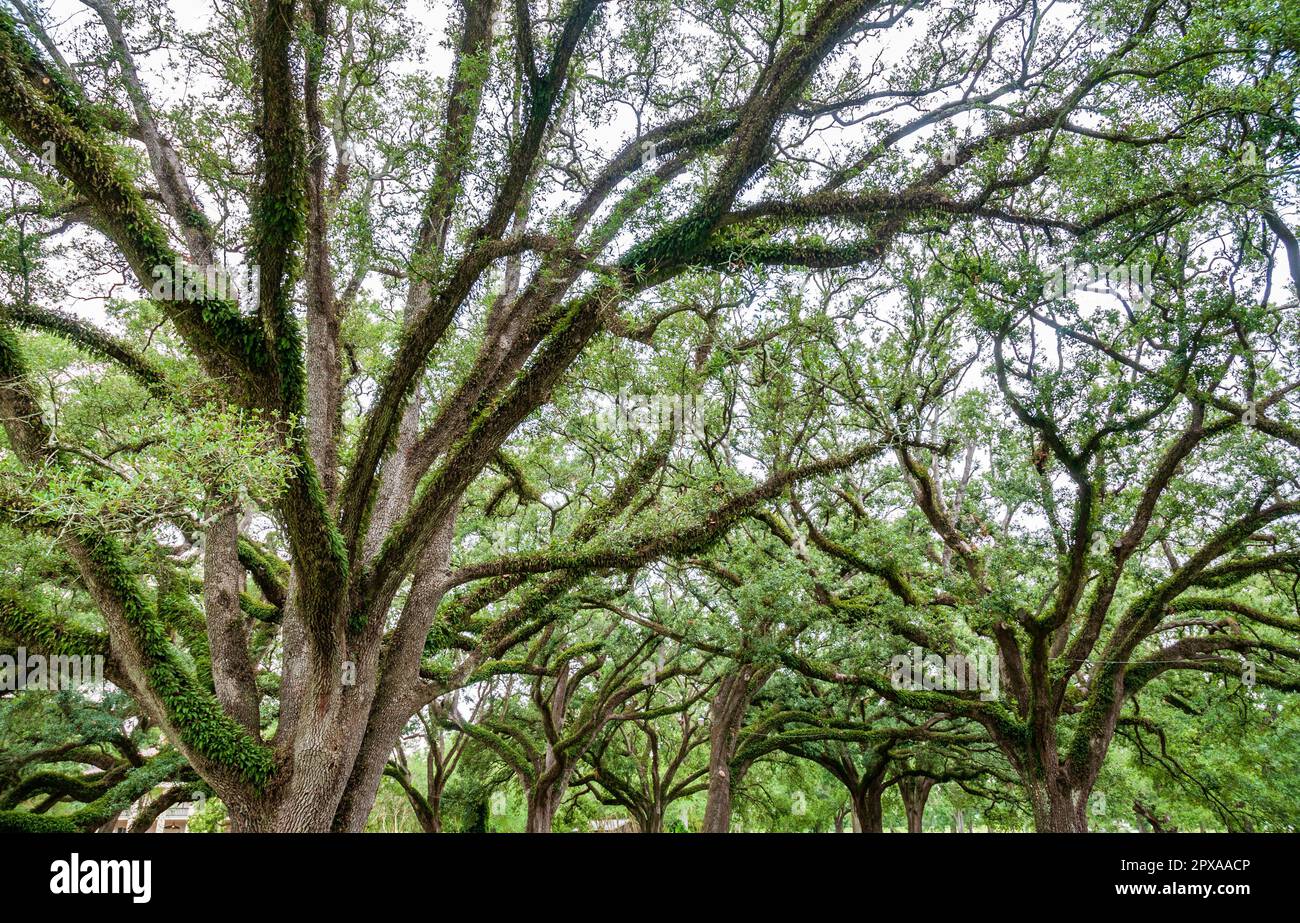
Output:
x,y
175,819
615,825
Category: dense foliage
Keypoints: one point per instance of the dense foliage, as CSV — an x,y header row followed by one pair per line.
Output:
x,y
651,414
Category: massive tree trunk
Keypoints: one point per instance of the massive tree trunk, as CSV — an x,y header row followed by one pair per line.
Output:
x,y
653,821
717,809
866,786
726,714
1058,799
1057,807
868,811
915,792
1058,788
543,802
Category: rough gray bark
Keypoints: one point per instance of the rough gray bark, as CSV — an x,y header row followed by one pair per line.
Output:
x,y
233,677
726,716
915,791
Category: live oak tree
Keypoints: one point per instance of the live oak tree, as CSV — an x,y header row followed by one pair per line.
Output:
x,y
577,687
81,763
868,750
366,476
1212,755
1133,522
651,759
443,746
